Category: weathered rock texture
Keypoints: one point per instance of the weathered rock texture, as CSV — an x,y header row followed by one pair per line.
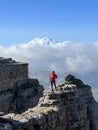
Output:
x,y
71,107
17,91
12,73
21,98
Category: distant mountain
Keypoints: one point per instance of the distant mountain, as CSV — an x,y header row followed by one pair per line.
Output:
x,y
46,41
41,41
69,54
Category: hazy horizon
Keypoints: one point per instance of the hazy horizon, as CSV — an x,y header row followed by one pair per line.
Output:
x,y
45,55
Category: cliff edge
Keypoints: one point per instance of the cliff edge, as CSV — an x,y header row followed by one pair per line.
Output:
x,y
70,107
17,91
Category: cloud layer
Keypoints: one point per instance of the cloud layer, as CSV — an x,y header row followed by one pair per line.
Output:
x,y
45,55
95,94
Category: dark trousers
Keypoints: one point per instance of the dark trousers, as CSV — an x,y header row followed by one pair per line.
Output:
x,y
53,84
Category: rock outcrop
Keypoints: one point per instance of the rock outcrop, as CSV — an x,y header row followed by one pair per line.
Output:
x,y
17,91
21,98
12,73
70,107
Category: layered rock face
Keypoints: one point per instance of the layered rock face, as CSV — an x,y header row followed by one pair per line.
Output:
x,y
17,91
70,107
21,98
12,73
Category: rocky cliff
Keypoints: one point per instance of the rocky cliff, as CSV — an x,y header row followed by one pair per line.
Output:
x,y
70,107
17,91
19,99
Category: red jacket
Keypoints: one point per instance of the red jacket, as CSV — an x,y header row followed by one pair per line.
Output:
x,y
52,77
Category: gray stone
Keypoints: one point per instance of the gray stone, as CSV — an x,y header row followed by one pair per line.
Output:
x,y
70,107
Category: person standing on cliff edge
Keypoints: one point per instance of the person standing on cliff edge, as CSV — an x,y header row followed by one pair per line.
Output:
x,y
52,78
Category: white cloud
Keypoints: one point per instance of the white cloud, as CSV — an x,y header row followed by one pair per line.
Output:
x,y
44,55
95,94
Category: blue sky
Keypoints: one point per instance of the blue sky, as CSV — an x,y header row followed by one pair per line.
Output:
x,y
72,20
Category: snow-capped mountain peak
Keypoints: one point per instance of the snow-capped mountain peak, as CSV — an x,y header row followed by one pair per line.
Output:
x,y
41,41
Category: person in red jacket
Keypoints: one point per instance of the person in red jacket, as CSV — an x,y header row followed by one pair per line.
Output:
x,y
52,78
